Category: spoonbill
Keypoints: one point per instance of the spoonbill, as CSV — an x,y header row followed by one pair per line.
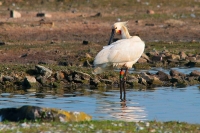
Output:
x,y
120,54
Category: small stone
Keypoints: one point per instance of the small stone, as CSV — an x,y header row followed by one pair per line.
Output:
x,y
85,42
163,76
88,56
149,24
43,15
2,43
107,81
142,81
176,79
176,73
24,55
182,55
145,56
142,60
43,71
94,81
150,12
15,14
7,78
192,59
175,57
97,15
156,58
25,125
59,75
29,81
195,73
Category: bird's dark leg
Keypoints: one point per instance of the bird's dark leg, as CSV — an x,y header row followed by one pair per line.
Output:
x,y
124,84
121,79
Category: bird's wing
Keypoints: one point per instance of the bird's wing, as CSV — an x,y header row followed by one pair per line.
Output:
x,y
125,50
102,56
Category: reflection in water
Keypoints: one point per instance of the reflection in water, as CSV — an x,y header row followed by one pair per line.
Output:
x,y
126,111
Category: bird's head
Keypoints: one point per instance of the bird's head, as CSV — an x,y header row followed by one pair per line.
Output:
x,y
117,28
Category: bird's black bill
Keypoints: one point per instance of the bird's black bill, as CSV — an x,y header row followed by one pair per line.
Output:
x,y
111,36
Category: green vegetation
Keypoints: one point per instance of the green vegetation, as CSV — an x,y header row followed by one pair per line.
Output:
x,y
104,126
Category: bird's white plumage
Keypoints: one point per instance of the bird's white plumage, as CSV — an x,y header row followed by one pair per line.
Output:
x,y
124,52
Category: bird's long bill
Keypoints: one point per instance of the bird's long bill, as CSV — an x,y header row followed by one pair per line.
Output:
x,y
111,36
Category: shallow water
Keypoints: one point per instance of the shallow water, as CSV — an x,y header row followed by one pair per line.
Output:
x,y
162,103
184,70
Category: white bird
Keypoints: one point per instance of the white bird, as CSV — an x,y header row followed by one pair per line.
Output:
x,y
120,54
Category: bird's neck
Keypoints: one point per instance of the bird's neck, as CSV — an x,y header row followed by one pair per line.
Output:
x,y
124,33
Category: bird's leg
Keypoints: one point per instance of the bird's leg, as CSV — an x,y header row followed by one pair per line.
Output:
x,y
124,84
121,79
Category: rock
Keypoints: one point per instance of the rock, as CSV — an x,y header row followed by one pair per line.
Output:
x,y
182,55
69,116
142,60
7,78
42,22
195,73
156,58
190,55
174,57
88,56
15,14
87,64
150,12
148,78
35,113
149,24
85,42
171,61
163,76
176,73
153,53
192,59
151,79
82,75
78,77
132,80
94,82
22,113
176,79
43,15
145,57
142,81
107,81
2,43
174,22
97,15
24,55
45,72
197,57
59,75
29,81
41,79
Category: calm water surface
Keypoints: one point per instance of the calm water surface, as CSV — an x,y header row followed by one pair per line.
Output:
x,y
162,103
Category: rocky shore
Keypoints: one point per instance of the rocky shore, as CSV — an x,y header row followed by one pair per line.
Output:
x,y
71,76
